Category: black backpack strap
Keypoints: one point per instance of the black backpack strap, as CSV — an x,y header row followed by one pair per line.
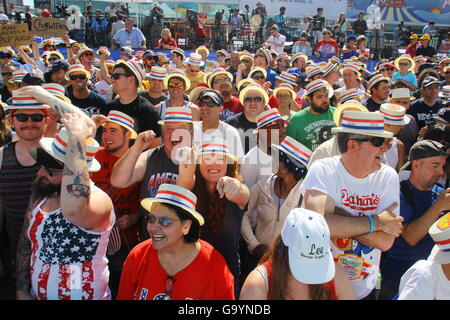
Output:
x,y
406,192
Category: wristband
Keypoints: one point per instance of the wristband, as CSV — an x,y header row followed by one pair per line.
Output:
x,y
372,225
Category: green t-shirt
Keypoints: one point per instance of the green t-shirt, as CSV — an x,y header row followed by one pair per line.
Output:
x,y
311,130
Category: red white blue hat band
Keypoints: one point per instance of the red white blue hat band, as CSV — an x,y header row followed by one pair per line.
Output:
x,y
364,123
216,146
157,73
176,114
124,120
22,101
295,150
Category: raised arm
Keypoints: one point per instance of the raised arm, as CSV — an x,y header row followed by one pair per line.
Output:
x,y
80,206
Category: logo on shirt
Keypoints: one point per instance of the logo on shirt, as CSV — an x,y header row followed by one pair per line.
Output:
x,y
444,222
359,203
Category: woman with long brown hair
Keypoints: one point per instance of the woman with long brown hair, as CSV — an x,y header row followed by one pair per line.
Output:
x,y
299,265
221,196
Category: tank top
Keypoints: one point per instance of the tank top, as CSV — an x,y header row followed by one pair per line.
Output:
x,y
67,262
15,192
163,106
265,270
392,154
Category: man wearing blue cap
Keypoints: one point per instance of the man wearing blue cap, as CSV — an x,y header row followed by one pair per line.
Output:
x,y
350,49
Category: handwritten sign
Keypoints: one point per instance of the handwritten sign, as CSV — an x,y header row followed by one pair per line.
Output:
x,y
14,35
48,27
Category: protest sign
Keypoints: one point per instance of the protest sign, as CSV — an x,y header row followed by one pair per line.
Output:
x,y
14,35
48,27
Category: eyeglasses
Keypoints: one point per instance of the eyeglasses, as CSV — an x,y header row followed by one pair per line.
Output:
x,y
52,59
225,80
284,96
77,76
193,71
208,103
163,221
35,117
88,54
434,88
258,77
246,61
376,141
404,64
179,85
5,56
253,99
7,74
117,75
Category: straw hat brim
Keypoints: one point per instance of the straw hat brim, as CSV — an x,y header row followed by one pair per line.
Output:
x,y
148,202
297,162
343,107
285,118
88,74
293,94
384,134
46,144
133,132
411,60
217,73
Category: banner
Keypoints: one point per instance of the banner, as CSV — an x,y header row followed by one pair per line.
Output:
x,y
298,8
14,35
49,27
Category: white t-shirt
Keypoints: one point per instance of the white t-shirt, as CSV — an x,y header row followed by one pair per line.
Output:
x,y
104,89
359,197
425,280
279,43
224,131
255,165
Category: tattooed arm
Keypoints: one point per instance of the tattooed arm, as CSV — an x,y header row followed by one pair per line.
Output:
x,y
23,256
83,208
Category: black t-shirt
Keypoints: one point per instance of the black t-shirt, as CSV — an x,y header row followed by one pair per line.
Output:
x,y
426,52
318,23
245,128
371,105
423,113
142,111
5,93
153,101
92,104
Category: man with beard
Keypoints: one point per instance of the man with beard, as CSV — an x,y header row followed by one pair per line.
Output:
x,y
126,78
8,86
422,202
153,167
149,59
358,196
61,252
312,126
235,61
116,135
80,95
221,81
57,73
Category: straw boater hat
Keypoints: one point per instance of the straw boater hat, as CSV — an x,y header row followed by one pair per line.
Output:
x,y
401,93
195,60
103,49
216,146
246,56
294,150
77,68
176,114
134,67
364,123
350,67
313,70
288,78
348,105
330,66
257,69
243,82
18,75
179,51
394,114
299,55
56,147
56,53
217,72
350,94
405,57
445,93
23,101
250,88
440,233
316,85
123,120
202,48
375,79
268,116
177,196
178,74
287,87
57,90
84,50
157,73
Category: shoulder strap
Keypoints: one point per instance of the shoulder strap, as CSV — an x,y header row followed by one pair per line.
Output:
x,y
406,192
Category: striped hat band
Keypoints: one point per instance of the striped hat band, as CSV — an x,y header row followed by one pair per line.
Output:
x,y
350,67
440,233
59,145
295,150
76,67
122,118
377,78
316,85
26,102
329,67
179,51
137,70
178,115
363,124
139,53
288,77
282,55
19,74
157,73
195,59
313,71
350,95
215,148
267,117
55,89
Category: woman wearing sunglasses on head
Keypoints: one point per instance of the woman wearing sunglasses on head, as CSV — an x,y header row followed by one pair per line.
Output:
x,y
174,264
177,84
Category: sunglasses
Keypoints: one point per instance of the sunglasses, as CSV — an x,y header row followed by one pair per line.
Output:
x,y
225,80
246,61
88,54
117,75
253,99
163,221
77,77
5,56
376,141
284,96
404,64
176,85
258,77
7,74
35,117
52,59
207,103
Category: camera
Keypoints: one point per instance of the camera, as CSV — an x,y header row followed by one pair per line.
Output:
x,y
219,16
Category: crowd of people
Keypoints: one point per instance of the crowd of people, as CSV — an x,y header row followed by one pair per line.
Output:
x,y
175,175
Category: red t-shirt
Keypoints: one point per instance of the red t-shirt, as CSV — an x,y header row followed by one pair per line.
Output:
x,y
327,48
125,200
274,103
169,42
411,50
206,278
230,108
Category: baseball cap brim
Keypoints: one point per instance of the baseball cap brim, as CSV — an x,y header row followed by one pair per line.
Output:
x,y
310,272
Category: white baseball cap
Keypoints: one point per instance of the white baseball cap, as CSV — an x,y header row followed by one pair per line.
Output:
x,y
3,17
307,235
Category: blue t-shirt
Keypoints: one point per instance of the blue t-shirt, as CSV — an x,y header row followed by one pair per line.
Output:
x,y
402,256
271,77
409,77
133,39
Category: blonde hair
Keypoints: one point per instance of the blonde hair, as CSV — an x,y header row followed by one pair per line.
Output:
x,y
166,30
